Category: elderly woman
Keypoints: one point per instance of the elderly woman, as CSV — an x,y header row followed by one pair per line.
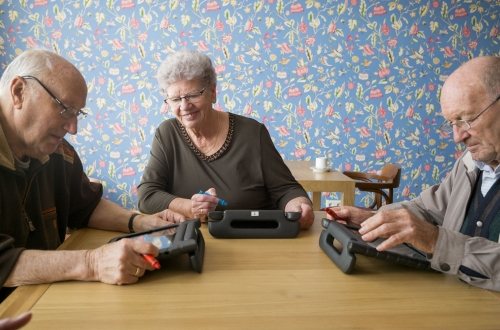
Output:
x,y
203,153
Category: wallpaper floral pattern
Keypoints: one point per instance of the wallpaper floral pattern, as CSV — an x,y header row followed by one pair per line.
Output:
x,y
356,80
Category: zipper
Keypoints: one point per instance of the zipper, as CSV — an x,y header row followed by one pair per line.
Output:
x,y
23,204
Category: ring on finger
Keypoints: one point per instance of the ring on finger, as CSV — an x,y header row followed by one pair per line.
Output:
x,y
137,272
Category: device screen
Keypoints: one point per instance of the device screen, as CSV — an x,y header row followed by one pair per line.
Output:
x,y
162,239
402,249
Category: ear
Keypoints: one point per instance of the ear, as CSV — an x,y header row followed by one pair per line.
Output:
x,y
17,89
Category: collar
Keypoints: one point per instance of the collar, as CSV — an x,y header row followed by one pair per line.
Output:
x,y
469,163
488,170
7,157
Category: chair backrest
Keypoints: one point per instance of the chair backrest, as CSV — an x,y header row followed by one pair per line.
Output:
x,y
381,184
393,174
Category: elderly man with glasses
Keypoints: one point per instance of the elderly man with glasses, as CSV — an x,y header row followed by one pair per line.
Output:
x,y
44,189
457,222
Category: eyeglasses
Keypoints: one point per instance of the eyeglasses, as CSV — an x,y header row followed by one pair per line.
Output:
x,y
191,98
66,112
466,125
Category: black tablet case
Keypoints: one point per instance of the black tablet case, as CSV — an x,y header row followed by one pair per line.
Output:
x,y
188,239
253,224
351,243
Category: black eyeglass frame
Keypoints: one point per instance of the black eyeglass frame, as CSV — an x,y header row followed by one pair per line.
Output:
x,y
67,112
177,100
466,125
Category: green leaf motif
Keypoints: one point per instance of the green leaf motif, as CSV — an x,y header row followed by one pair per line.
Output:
x,y
362,8
390,55
277,90
256,90
444,9
415,173
112,169
387,137
359,91
309,54
279,7
307,137
436,173
111,87
257,6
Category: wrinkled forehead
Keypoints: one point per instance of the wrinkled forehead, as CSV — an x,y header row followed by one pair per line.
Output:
x,y
67,84
462,95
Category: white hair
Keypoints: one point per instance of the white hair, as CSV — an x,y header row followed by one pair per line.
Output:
x,y
186,65
34,62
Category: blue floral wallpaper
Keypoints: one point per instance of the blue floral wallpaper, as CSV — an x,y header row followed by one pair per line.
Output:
x,y
356,80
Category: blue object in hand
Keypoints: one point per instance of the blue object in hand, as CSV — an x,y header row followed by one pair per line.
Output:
x,y
221,202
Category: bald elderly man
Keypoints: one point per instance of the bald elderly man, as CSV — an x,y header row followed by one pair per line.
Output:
x,y
44,189
457,222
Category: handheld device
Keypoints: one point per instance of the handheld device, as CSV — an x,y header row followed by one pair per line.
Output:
x,y
342,242
175,239
253,224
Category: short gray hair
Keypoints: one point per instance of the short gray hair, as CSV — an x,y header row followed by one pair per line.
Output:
x,y
34,62
186,65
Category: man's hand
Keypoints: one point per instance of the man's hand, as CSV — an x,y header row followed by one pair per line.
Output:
x,y
120,262
302,205
145,222
400,226
352,214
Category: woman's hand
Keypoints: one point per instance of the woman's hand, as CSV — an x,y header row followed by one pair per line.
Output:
x,y
202,203
302,205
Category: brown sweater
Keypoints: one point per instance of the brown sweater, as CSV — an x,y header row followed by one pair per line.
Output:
x,y
249,174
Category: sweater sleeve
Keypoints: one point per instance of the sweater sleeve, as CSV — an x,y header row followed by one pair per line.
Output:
x,y
153,189
280,183
8,256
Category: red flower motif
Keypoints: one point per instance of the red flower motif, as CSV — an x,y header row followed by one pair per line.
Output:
x,y
296,8
375,93
127,4
212,5
294,91
460,12
379,10
128,171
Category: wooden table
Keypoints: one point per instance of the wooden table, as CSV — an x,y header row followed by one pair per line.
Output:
x,y
316,183
260,284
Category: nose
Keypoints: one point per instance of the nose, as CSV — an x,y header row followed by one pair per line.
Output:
x,y
71,125
184,103
459,134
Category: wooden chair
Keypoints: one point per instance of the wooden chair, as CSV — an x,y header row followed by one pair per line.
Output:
x,y
382,185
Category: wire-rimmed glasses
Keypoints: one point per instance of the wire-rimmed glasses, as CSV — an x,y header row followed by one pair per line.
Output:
x,y
67,112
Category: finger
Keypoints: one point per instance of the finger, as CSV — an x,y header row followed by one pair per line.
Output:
x,y
15,322
371,223
389,243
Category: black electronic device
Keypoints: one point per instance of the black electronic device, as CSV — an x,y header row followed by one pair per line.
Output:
x,y
342,242
253,224
175,239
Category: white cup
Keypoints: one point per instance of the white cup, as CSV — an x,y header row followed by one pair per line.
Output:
x,y
321,163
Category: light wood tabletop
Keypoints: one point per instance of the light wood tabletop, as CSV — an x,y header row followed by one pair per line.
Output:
x,y
260,284
316,183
